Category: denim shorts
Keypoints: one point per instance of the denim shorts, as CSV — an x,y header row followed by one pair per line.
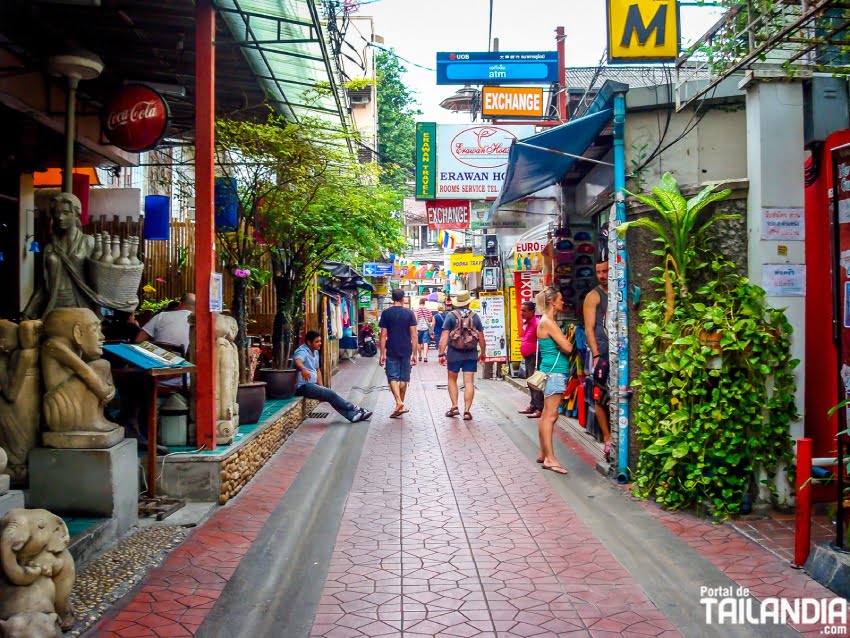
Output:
x,y
398,368
424,336
556,383
468,365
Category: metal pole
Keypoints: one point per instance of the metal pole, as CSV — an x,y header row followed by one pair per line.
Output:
x,y
621,291
204,229
560,39
803,531
70,135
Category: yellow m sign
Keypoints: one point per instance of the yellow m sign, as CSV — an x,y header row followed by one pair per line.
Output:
x,y
643,31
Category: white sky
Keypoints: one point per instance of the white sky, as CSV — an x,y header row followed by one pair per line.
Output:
x,y
417,29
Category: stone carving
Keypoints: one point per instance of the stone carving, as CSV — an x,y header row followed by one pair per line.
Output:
x,y
72,279
20,393
37,569
31,625
227,379
78,383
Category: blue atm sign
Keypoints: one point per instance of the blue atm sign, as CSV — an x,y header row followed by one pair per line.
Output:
x,y
498,67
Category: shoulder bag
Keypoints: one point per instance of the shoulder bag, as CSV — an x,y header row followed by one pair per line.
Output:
x,y
537,381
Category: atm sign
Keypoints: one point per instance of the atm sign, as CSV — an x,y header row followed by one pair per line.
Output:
x,y
512,101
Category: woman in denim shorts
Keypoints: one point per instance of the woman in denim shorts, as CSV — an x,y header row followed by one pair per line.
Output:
x,y
554,349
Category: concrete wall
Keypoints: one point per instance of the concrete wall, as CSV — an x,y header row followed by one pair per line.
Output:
x,y
715,150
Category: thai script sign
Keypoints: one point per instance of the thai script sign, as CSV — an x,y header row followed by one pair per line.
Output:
x,y
135,118
472,160
512,101
426,160
643,30
497,67
784,280
377,269
786,224
449,214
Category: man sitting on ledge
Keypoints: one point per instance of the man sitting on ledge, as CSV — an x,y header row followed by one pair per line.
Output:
x,y
310,380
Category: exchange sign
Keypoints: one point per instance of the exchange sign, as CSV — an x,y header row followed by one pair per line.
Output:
x,y
449,214
512,101
497,67
643,30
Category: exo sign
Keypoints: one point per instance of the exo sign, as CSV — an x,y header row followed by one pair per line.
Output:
x,y
497,67
527,285
426,160
449,214
135,118
642,30
512,101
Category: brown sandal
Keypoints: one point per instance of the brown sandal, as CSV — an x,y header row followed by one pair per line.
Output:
x,y
453,412
467,416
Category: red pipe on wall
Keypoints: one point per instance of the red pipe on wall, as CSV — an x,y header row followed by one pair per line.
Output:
x,y
803,531
204,229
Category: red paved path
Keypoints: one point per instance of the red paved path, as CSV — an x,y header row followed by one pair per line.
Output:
x,y
449,530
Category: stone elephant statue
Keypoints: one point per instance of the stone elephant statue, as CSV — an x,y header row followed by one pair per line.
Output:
x,y
31,625
37,569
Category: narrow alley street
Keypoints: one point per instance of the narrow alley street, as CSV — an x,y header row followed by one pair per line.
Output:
x,y
431,526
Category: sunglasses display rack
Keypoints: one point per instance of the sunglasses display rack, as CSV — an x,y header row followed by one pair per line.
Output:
x,y
574,266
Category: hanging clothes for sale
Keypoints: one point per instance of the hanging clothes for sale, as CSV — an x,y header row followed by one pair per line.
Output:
x,y
346,312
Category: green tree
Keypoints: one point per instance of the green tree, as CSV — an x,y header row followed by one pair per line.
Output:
x,y
396,119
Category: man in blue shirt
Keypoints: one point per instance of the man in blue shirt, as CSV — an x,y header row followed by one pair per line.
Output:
x,y
399,341
306,359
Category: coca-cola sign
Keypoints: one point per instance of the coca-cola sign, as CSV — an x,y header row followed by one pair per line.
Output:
x,y
135,118
483,146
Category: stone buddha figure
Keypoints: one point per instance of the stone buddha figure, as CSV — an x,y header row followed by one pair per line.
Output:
x,y
20,393
227,379
78,383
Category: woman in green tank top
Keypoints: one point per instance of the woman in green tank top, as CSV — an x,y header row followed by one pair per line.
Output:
x,y
555,349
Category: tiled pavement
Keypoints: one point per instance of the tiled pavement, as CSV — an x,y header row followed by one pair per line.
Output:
x,y
448,531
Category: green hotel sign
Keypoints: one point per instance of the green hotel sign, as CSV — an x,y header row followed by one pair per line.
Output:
x,y
426,160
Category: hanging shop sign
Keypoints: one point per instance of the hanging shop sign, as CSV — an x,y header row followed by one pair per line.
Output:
x,y
492,315
490,278
364,298
642,30
528,255
426,160
512,101
135,118
377,269
465,263
449,214
497,67
382,289
472,160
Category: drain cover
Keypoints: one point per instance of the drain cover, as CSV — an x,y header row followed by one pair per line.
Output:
x,y
318,415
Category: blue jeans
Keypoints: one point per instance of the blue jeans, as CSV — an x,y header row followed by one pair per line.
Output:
x,y
398,368
326,395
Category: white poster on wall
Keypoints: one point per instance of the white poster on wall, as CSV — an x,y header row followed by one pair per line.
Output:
x,y
472,159
493,318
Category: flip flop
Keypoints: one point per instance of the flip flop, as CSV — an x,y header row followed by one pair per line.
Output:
x,y
398,413
467,416
453,412
557,469
540,459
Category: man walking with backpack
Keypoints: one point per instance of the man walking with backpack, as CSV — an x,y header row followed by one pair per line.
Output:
x,y
463,334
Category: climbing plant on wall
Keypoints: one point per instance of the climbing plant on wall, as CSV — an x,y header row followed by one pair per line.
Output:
x,y
716,392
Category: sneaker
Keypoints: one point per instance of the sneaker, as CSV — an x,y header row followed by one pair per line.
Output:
x,y
362,415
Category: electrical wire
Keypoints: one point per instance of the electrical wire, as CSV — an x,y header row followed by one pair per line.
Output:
x,y
382,48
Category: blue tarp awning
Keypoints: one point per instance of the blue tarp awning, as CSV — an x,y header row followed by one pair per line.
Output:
x,y
536,162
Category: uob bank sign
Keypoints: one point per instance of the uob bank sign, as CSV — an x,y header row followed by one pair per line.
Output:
x,y
643,31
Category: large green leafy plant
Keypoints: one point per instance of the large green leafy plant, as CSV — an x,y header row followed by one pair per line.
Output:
x,y
716,392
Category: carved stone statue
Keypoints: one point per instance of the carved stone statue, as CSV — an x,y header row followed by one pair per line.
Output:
x,y
78,383
65,259
31,625
37,569
227,379
4,478
20,393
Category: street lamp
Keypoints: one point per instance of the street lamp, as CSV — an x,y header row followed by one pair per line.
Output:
x,y
465,99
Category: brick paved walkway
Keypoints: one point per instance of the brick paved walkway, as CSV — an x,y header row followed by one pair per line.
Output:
x,y
449,530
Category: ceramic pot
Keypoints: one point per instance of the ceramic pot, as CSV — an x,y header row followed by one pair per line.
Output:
x,y
251,397
280,384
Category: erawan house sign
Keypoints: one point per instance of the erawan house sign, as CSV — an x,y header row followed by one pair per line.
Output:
x,y
471,160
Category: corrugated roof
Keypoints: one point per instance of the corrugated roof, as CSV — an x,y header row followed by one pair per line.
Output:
x,y
580,77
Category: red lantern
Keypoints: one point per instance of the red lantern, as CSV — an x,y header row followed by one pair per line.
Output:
x,y
135,118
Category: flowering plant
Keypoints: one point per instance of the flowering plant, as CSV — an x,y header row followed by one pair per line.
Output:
x,y
242,273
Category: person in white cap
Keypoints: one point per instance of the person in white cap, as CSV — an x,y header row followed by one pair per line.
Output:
x,y
463,334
